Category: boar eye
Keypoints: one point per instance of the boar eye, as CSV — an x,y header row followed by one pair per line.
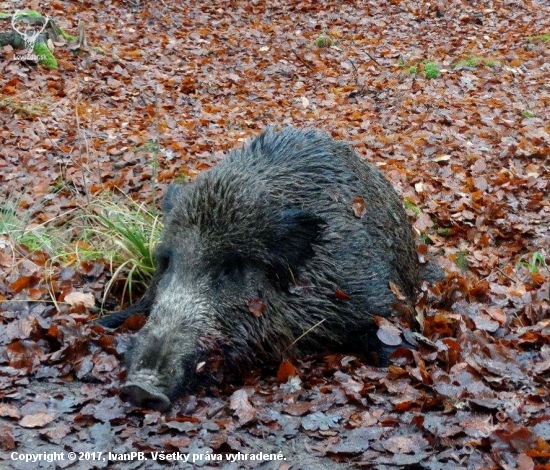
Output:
x,y
229,270
162,258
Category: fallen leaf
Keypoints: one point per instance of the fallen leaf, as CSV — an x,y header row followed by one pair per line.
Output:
x,y
80,298
38,420
256,307
286,370
423,222
396,291
21,283
341,295
388,333
240,403
7,441
359,207
9,411
320,421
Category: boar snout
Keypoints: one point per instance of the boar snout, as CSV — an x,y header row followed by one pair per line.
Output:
x,y
145,396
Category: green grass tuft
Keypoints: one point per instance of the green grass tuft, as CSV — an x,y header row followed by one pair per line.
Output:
x,y
125,235
30,14
473,62
536,262
540,38
462,260
149,146
10,222
16,225
324,40
121,233
412,207
431,70
527,114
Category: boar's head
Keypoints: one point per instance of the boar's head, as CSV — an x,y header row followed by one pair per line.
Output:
x,y
224,263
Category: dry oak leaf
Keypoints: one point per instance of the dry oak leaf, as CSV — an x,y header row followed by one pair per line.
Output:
x,y
424,222
388,333
37,420
80,298
396,291
405,444
241,405
10,411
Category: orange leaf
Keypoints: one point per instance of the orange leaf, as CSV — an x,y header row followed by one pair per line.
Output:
x,y
286,370
359,207
256,307
341,295
21,283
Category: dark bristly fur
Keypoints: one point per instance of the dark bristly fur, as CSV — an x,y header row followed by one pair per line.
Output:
x,y
272,223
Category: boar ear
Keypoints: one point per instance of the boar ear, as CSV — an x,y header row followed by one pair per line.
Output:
x,y
293,238
170,197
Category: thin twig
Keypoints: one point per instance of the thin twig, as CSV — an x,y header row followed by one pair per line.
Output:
x,y
373,59
157,148
92,119
303,334
360,91
505,275
302,60
84,182
490,274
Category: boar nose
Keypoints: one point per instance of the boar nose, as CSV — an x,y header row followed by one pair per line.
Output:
x,y
145,396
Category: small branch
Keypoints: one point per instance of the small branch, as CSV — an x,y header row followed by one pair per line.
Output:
x,y
157,147
304,334
82,43
302,60
373,59
361,90
506,275
79,132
